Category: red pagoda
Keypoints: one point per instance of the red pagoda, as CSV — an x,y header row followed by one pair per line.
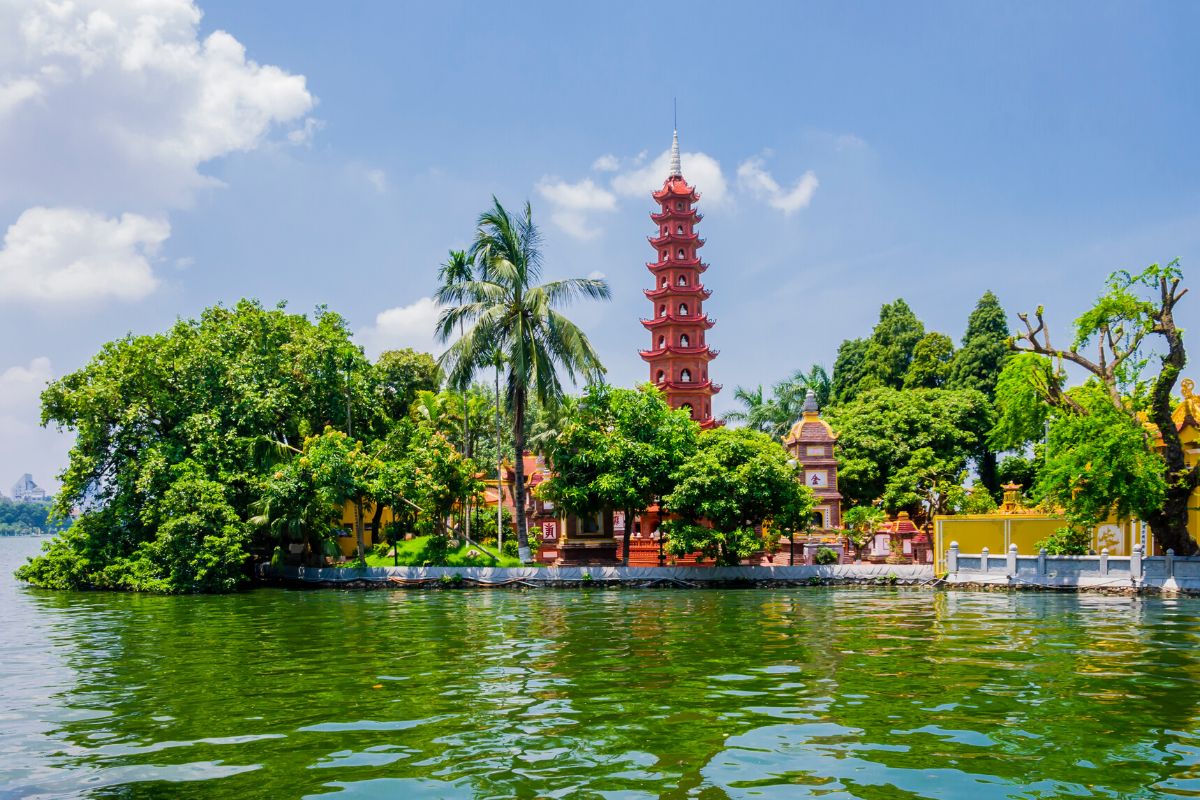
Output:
x,y
678,354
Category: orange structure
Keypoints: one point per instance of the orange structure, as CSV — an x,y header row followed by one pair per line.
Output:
x,y
679,355
813,445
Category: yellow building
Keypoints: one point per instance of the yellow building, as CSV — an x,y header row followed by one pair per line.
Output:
x,y
1013,524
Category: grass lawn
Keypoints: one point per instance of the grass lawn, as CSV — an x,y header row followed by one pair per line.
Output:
x,y
418,553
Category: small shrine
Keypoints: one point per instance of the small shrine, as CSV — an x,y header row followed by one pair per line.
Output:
x,y
813,446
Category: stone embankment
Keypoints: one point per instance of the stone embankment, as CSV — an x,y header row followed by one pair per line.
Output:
x,y
1130,574
640,577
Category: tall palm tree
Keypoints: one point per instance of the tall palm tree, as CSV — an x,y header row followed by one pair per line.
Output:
x,y
457,270
507,310
759,413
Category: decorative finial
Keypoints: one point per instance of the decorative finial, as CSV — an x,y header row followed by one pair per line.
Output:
x,y
676,170
810,403
1188,388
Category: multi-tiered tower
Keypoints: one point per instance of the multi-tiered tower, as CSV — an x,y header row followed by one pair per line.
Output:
x,y
678,354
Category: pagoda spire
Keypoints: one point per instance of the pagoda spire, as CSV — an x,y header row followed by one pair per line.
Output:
x,y
679,354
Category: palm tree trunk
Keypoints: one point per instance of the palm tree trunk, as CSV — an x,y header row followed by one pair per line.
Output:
x,y
499,472
519,473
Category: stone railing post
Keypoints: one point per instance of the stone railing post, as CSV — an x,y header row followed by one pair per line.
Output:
x,y
1042,561
952,558
1104,561
1012,560
983,560
1135,563
1170,563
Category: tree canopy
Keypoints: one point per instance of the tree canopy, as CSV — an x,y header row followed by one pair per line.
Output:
x,y
893,444
736,481
619,451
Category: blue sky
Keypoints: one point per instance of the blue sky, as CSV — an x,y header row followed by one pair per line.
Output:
x,y
158,157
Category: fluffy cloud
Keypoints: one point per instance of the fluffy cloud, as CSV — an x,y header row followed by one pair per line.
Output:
x,y
606,163
701,170
27,446
574,202
403,326
108,111
66,255
119,102
752,177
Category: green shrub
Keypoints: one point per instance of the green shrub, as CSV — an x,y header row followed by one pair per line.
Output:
x,y
1066,541
826,556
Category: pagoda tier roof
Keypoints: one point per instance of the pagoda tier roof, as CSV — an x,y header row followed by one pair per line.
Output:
x,y
676,238
699,387
704,351
709,423
690,263
670,213
694,290
810,429
700,320
677,187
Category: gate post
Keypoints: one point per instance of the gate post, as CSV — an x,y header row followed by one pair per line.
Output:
x,y
952,558
1012,560
1135,563
983,560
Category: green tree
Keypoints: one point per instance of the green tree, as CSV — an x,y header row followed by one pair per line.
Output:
x,y
400,375
882,361
978,366
757,412
1130,325
890,351
620,452
861,522
207,393
508,311
736,481
849,369
892,444
979,362
816,379
931,362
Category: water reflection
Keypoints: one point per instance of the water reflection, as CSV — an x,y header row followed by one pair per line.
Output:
x,y
800,693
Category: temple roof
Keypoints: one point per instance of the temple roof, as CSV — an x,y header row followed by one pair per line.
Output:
x,y
810,428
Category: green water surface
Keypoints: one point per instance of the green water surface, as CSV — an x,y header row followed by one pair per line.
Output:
x,y
600,694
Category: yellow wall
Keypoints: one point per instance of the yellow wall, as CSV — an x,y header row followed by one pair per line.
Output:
x,y
349,544
997,532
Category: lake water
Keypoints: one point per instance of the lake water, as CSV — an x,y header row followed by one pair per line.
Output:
x,y
593,693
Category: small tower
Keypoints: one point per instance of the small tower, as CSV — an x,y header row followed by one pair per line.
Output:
x,y
813,445
679,355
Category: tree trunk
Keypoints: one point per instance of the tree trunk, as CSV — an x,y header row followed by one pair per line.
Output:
x,y
499,474
987,472
358,527
1169,524
377,520
628,536
519,473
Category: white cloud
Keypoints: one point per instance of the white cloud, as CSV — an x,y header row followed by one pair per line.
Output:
x,y
403,326
378,179
574,202
117,103
606,163
752,177
27,446
113,106
701,170
66,255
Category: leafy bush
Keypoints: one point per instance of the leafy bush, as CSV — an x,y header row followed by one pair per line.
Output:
x,y
1067,541
826,556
